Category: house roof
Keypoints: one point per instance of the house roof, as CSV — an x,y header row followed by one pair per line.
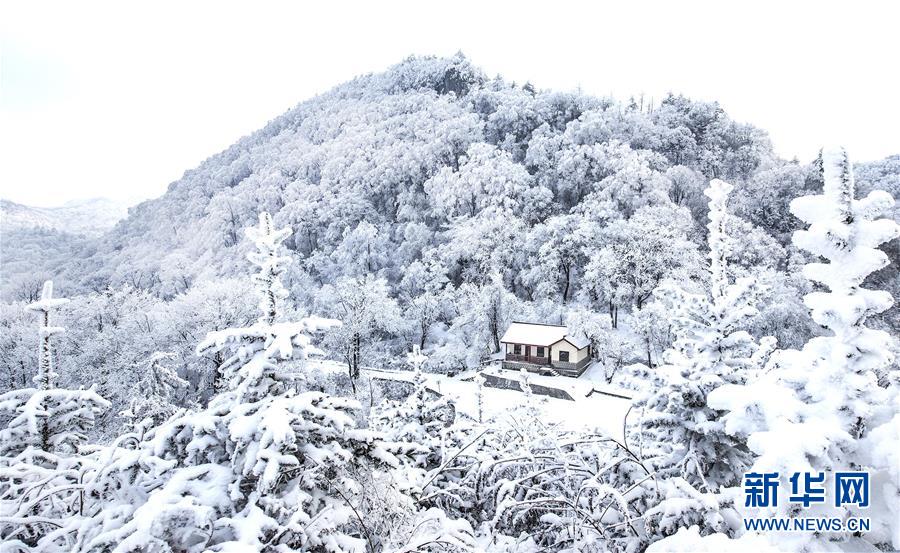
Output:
x,y
536,334
579,343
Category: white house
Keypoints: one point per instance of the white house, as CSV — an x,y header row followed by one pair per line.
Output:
x,y
537,347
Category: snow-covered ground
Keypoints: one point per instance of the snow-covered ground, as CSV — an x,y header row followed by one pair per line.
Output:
x,y
602,412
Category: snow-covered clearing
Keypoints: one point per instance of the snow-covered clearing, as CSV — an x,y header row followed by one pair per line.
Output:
x,y
601,412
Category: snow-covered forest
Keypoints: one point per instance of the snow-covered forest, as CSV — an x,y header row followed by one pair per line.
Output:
x,y
295,348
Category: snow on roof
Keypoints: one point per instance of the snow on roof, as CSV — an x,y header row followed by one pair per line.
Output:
x,y
579,343
536,334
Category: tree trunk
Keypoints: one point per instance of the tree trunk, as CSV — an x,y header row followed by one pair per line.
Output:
x,y
496,336
354,360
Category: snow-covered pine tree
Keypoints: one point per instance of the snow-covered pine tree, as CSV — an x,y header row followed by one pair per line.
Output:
x,y
44,306
42,469
847,233
479,381
159,388
46,418
263,467
250,353
821,408
420,418
271,265
529,407
711,349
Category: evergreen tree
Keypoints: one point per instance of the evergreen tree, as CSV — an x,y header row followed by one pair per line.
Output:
x,y
47,418
479,380
44,306
420,418
711,349
42,465
821,408
262,467
159,387
833,380
271,265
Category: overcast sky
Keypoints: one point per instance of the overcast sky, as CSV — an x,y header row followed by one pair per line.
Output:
x,y
109,99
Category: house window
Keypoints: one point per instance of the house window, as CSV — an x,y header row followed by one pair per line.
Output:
x,y
540,352
517,349
564,356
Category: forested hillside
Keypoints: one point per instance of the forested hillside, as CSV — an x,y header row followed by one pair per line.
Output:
x,y
425,208
441,184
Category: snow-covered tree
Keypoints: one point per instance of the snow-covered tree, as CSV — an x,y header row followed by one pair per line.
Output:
x,y
47,418
363,250
483,314
846,232
17,346
560,244
482,246
711,349
633,257
487,179
367,313
652,330
420,418
263,466
119,329
271,264
479,381
610,348
160,390
184,321
42,465
822,409
44,307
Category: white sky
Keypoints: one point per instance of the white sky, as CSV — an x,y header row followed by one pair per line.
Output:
x,y
118,100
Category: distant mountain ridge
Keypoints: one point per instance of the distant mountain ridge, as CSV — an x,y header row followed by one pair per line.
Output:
x,y
91,217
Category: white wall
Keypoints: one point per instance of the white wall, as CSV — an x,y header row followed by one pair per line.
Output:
x,y
575,354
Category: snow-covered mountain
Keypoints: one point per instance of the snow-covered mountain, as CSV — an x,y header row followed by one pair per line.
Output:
x,y
90,217
428,208
432,163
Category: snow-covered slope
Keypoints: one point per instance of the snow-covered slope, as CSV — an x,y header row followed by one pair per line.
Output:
x,y
90,217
